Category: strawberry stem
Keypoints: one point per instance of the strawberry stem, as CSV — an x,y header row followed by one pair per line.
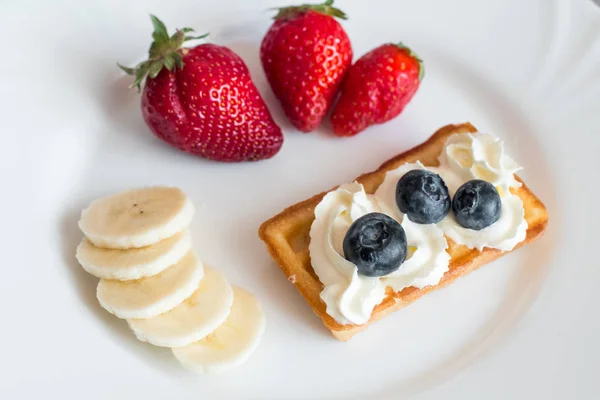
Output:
x,y
325,8
165,52
414,55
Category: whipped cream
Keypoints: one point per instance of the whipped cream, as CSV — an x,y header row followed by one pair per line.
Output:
x,y
429,262
348,296
504,234
478,155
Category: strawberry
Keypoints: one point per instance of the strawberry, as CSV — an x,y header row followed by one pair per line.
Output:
x,y
202,100
377,88
305,55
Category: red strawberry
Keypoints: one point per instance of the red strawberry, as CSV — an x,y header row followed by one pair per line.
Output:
x,y
305,55
377,88
202,100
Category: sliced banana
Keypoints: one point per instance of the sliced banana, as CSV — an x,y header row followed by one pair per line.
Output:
x,y
136,218
232,343
153,295
133,263
193,319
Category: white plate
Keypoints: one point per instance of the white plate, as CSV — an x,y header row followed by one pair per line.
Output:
x,y
526,326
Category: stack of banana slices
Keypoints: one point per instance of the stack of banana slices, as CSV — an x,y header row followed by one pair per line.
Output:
x,y
138,244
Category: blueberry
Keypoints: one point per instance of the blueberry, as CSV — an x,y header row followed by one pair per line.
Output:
x,y
476,204
423,196
376,244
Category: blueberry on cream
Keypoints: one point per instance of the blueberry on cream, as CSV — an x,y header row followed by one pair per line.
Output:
x,y
423,196
476,204
376,244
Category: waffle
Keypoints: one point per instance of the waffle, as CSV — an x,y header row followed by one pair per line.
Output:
x,y
287,237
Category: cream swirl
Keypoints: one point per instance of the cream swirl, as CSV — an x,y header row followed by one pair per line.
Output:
x,y
429,262
504,234
480,156
349,296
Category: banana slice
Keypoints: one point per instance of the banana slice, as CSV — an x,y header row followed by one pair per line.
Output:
x,y
232,343
153,295
136,218
193,319
133,263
